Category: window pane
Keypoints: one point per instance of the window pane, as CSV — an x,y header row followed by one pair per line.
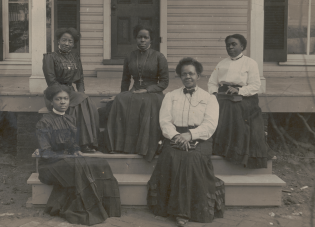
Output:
x,y
18,26
297,26
48,26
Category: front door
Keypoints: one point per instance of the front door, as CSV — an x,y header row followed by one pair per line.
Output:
x,y
125,15
67,15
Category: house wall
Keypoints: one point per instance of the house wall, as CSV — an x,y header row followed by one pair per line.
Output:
x,y
198,29
92,27
273,69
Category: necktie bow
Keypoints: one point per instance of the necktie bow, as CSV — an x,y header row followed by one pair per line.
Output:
x,y
189,91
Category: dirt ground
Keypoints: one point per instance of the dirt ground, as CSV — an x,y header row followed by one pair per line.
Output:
x,y
14,191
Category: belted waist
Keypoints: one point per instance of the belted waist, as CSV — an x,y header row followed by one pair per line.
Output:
x,y
225,87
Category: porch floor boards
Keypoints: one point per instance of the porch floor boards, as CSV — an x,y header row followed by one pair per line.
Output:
x,y
279,86
283,94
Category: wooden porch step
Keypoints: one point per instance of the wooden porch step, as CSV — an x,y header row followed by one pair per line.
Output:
x,y
241,190
135,164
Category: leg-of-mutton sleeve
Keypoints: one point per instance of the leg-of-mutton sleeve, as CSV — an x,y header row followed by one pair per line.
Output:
x,y
210,120
49,70
44,140
166,119
126,77
80,83
163,76
213,83
253,80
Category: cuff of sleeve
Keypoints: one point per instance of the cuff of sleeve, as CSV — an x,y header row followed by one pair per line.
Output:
x,y
172,134
241,91
194,134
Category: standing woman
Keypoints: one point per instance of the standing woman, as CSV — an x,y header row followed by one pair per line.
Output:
x,y
183,183
85,190
133,122
240,136
64,67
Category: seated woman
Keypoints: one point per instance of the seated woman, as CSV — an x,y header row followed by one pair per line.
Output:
x,y
133,121
240,136
183,183
85,190
64,67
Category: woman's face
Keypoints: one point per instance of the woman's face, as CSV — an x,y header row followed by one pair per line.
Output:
x,y
143,39
234,47
189,76
61,101
66,42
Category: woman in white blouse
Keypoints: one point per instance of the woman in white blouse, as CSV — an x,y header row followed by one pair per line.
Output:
x,y
183,183
240,136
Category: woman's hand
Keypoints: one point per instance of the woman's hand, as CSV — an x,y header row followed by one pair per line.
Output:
x,y
77,153
141,91
232,90
183,140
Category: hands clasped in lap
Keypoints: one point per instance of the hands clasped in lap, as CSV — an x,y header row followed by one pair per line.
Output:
x,y
182,140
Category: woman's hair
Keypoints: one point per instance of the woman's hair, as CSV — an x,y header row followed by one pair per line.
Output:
x,y
53,90
140,27
189,61
240,38
72,31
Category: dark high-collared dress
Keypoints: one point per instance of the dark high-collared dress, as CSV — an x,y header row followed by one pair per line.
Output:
x,y
85,190
66,68
133,122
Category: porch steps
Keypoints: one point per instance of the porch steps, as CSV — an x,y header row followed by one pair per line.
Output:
x,y
244,187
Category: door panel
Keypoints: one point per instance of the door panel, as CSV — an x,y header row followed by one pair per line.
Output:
x,y
67,15
125,15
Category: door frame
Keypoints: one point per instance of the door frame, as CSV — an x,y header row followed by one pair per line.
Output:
x,y
107,32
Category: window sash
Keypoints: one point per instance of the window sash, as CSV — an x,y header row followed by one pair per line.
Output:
x,y
5,18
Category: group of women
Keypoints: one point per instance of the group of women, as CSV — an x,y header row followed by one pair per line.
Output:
x,y
185,127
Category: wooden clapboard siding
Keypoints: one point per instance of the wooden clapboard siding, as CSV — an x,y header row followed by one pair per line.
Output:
x,y
91,25
10,69
198,29
273,69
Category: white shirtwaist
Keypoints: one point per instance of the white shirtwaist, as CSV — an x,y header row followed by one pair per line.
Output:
x,y
201,109
241,70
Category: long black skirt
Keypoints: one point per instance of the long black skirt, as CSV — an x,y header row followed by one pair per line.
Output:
x,y
133,124
183,184
85,112
240,136
85,190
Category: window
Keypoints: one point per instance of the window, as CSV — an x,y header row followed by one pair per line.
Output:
x,y
290,32
16,24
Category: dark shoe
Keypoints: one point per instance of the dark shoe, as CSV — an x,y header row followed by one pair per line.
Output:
x,y
87,149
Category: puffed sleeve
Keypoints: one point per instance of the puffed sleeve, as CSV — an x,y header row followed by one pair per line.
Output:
x,y
213,83
126,77
162,75
253,80
210,121
80,83
44,138
49,69
166,120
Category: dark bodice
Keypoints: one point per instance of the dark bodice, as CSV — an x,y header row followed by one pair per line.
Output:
x,y
152,65
62,68
57,133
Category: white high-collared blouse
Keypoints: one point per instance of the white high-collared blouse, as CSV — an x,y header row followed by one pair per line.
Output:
x,y
241,70
182,110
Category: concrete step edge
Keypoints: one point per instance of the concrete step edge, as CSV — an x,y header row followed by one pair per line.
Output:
x,y
265,180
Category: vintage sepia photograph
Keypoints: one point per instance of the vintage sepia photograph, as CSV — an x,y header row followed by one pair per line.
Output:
x,y
157,113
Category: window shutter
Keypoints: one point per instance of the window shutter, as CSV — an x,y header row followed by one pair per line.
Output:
x,y
67,14
1,33
276,26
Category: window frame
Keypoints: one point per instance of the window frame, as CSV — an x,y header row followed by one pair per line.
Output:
x,y
5,19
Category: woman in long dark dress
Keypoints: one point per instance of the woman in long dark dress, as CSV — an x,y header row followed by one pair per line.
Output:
x,y
183,182
85,190
133,122
240,136
65,67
